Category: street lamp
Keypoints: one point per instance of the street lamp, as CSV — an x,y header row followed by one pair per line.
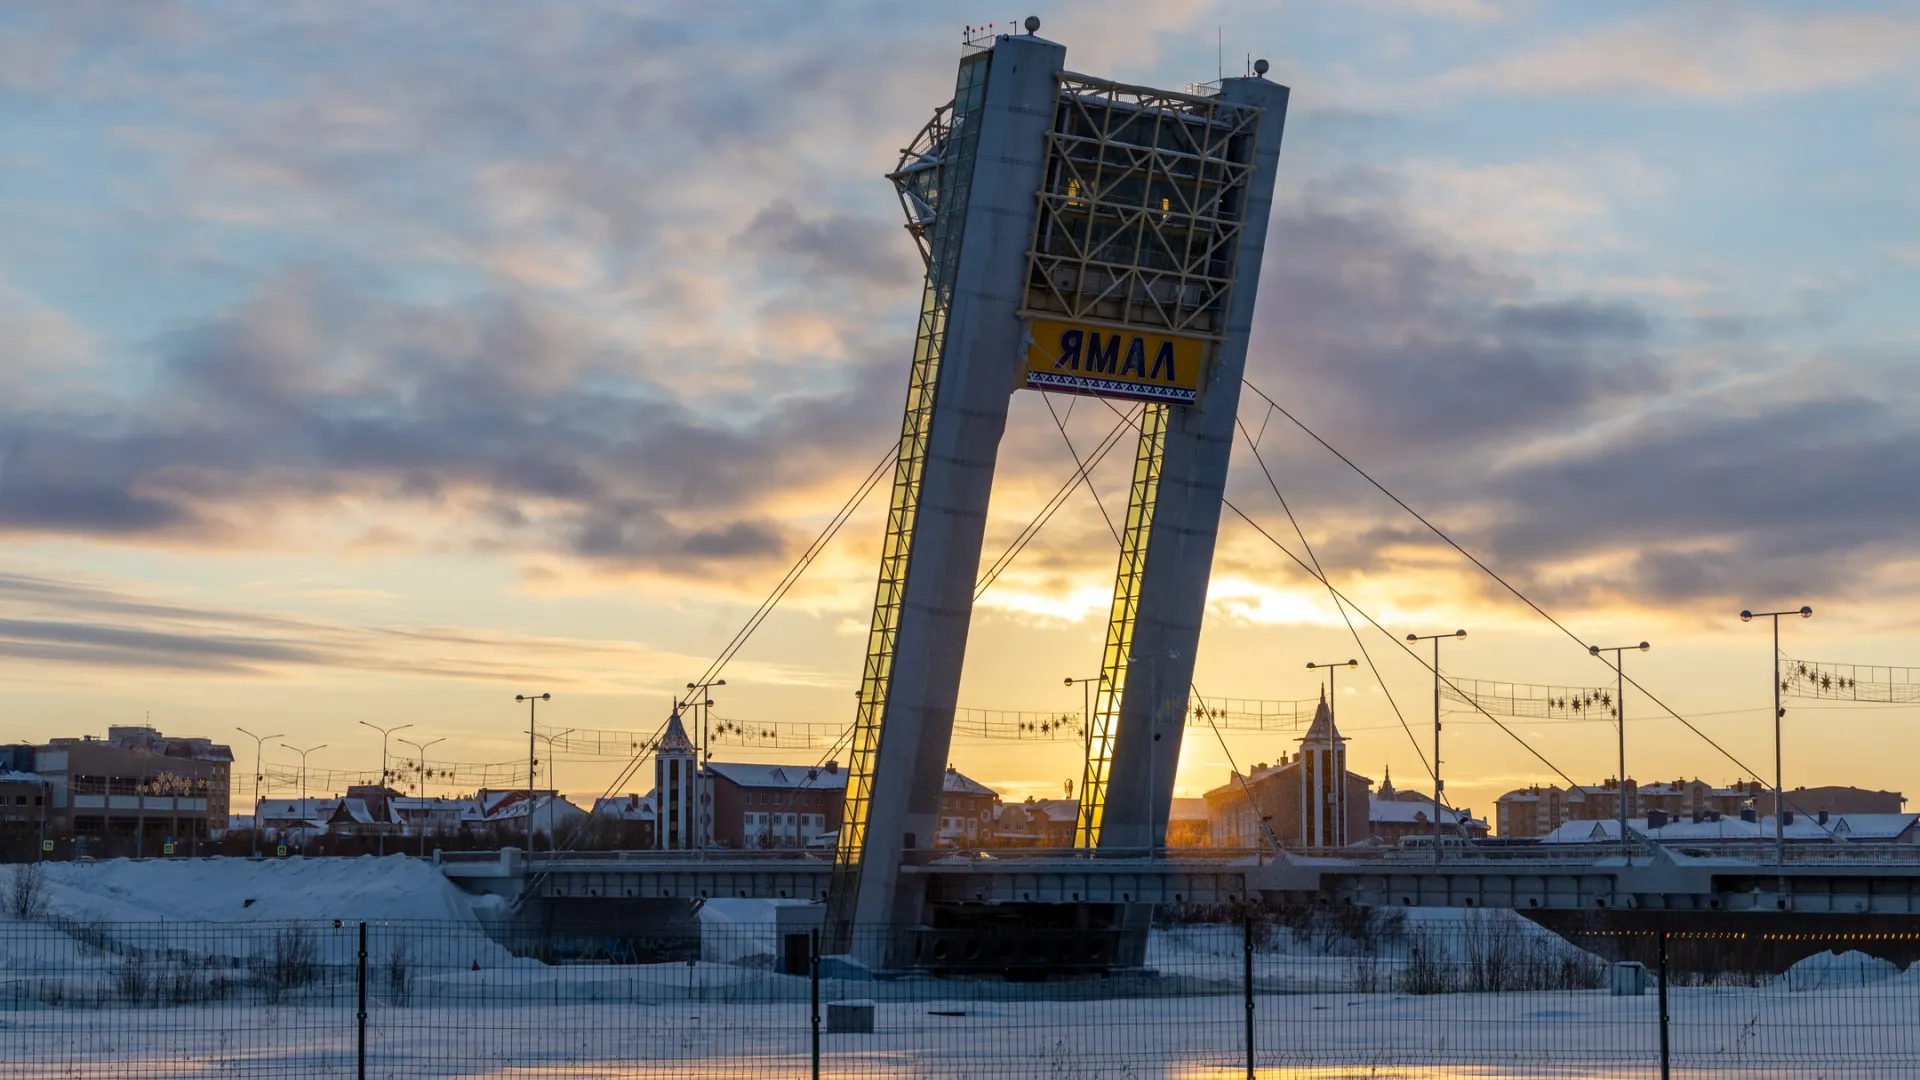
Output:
x,y
385,806
257,740
532,701
303,784
421,771
553,777
1779,790
1086,721
1439,785
1339,781
702,702
1620,714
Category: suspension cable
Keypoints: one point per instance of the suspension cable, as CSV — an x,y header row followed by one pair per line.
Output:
x,y
1504,583
1338,606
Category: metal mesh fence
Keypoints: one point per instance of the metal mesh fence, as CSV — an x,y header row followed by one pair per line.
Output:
x,y
1362,994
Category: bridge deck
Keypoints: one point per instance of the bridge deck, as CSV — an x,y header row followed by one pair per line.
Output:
x,y
1839,878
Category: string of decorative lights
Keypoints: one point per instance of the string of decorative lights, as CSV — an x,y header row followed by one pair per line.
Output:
x,y
278,777
1231,714
1532,701
1875,683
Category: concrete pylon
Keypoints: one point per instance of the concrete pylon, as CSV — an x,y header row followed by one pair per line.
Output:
x,y
1186,523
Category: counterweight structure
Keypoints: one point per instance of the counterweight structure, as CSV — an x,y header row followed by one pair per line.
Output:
x,y
1080,236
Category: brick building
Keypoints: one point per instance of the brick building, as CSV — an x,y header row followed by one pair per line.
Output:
x,y
1394,816
136,789
1806,801
772,806
1535,811
968,810
1038,823
1309,801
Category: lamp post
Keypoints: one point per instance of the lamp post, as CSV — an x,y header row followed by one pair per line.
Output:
x,y
553,777
1620,714
385,806
702,700
421,770
1779,788
533,701
1339,782
303,784
257,740
1439,785
1086,723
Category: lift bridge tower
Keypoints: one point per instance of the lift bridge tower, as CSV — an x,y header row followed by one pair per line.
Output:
x,y
1081,236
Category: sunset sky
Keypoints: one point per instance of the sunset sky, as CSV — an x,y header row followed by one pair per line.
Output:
x,y
380,361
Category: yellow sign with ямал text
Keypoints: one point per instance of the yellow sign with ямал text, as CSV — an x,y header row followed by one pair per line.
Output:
x,y
1084,358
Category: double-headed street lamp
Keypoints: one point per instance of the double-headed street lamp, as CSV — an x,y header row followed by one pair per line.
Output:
x,y
701,699
553,777
257,740
1439,785
303,786
385,733
1779,789
1620,714
1332,670
532,701
420,748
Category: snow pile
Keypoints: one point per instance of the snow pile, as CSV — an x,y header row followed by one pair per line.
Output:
x,y
734,931
1413,950
394,888
240,912
1838,971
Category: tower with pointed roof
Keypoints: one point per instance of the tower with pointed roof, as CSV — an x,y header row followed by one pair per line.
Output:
x,y
675,796
1323,789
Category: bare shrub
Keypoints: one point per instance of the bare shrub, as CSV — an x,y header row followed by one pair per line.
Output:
x,y
132,981
399,974
1426,970
294,962
1366,974
27,892
1491,953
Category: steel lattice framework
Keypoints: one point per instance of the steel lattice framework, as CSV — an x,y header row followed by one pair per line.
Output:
x,y
1142,212
1103,726
936,171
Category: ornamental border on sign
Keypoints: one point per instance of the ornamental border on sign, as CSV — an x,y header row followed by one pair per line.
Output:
x,y
1082,384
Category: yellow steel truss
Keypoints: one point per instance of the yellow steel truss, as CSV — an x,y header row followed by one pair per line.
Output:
x,y
902,511
1103,726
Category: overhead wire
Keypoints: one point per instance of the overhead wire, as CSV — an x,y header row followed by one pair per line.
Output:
x,y
1338,606
1490,572
1416,657
1050,508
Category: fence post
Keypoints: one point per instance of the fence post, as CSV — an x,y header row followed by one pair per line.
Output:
x,y
1666,1048
361,1053
1247,957
813,965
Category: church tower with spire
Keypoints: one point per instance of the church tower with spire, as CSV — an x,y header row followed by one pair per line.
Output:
x,y
674,790
1323,782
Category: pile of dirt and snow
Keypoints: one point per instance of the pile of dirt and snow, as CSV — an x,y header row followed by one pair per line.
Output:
x,y
1838,971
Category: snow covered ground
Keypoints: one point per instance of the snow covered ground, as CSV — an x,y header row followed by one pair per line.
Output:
x,y
174,969
1719,1033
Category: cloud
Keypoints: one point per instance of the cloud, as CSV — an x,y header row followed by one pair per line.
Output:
x,y
94,623
1718,53
504,418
